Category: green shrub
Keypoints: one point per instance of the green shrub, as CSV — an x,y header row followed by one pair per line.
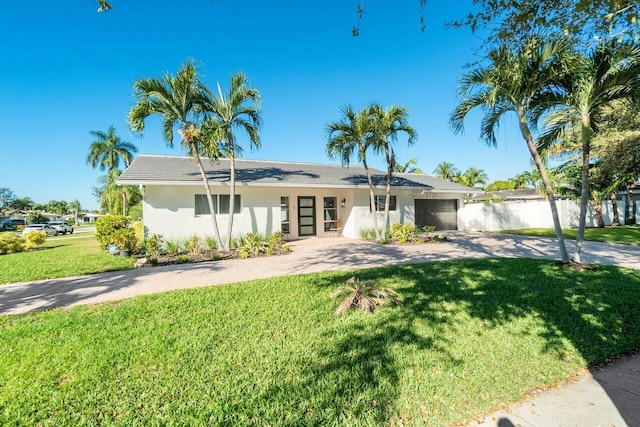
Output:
x,y
36,218
107,225
193,245
138,230
124,239
367,234
252,244
210,243
153,260
153,245
183,259
11,243
173,247
216,257
35,239
276,240
403,233
429,229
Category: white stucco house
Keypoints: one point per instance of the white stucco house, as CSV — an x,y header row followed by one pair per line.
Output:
x,y
300,199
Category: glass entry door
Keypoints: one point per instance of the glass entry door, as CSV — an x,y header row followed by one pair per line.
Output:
x,y
306,216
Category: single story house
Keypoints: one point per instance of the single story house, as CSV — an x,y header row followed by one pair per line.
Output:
x,y
300,199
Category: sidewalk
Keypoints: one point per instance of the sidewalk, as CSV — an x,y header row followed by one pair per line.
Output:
x,y
606,397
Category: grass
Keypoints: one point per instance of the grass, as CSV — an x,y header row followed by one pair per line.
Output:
x,y
62,256
627,234
471,335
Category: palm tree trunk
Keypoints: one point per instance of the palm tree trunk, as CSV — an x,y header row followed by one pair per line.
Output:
x,y
564,255
387,200
124,201
584,194
372,196
232,193
614,208
207,188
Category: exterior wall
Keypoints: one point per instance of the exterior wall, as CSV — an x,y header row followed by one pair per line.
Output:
x,y
513,216
170,210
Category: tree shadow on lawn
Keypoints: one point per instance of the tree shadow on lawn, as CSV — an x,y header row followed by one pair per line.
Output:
x,y
359,374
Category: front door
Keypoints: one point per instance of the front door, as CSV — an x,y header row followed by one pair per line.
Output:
x,y
306,216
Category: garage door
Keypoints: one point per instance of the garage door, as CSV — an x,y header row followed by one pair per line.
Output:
x,y
443,214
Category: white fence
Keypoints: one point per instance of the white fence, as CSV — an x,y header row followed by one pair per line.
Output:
x,y
513,216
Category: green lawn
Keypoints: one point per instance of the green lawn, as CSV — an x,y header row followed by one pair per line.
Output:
x,y
627,235
471,335
61,256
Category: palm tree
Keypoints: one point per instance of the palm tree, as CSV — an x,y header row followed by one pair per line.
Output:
x,y
108,150
238,108
387,125
517,82
408,167
445,171
609,74
353,135
476,178
75,206
181,100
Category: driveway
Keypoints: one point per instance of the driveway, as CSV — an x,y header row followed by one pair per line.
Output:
x,y
307,256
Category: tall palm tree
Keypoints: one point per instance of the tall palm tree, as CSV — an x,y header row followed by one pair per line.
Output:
x,y
75,206
517,82
239,108
181,101
476,178
445,171
609,74
351,136
108,150
387,125
408,167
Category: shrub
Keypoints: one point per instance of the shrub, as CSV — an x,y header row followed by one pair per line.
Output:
x,y
183,259
36,218
107,225
367,234
153,245
124,239
11,243
138,230
153,260
403,233
276,240
193,245
363,295
210,243
252,244
173,247
35,239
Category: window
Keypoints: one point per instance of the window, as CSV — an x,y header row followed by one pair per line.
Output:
x,y
380,201
284,214
222,200
330,212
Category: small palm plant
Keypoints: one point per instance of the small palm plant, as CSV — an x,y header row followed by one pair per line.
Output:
x,y
363,295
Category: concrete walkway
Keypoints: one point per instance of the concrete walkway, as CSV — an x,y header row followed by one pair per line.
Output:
x,y
606,397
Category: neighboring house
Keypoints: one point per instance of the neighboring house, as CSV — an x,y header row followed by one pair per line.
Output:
x,y
509,196
300,199
90,217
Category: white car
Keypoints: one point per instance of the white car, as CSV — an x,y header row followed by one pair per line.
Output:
x,y
61,226
40,227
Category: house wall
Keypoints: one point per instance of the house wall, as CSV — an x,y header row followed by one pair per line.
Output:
x,y
170,210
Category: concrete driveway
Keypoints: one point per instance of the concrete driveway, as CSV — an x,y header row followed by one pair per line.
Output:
x,y
307,256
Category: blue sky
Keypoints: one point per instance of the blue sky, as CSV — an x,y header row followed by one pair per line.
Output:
x,y
66,70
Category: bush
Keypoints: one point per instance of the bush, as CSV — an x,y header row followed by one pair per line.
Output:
x,y
35,239
36,218
211,243
367,234
173,247
251,244
194,245
153,245
107,225
138,230
276,240
183,259
124,239
11,243
403,233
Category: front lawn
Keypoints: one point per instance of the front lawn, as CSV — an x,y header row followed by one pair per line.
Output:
x,y
471,335
62,256
626,234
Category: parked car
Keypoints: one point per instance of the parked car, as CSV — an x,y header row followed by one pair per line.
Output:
x,y
40,227
61,226
12,223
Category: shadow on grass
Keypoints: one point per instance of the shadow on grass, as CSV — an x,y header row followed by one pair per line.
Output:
x,y
576,316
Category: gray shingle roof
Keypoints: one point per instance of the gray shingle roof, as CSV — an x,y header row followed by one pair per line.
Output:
x,y
149,169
